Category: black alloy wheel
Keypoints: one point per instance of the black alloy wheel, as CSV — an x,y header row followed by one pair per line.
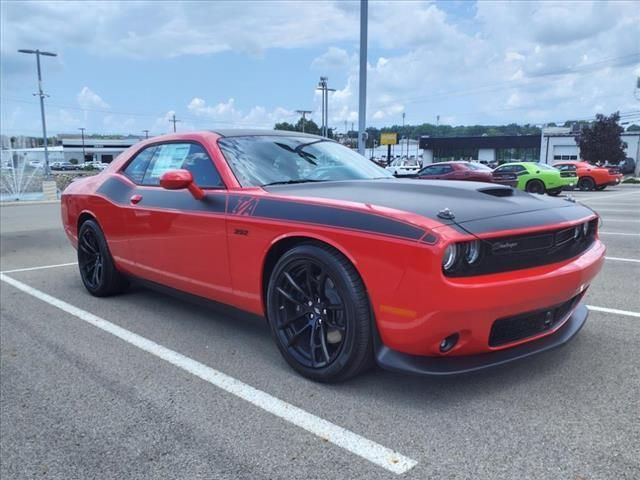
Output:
x,y
97,270
319,313
535,186
586,184
90,259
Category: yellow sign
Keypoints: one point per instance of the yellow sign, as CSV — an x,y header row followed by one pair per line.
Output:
x,y
388,139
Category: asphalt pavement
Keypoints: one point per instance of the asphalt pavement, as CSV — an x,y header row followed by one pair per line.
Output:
x,y
145,385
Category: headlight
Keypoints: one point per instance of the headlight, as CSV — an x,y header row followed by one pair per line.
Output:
x,y
450,256
576,232
585,229
472,251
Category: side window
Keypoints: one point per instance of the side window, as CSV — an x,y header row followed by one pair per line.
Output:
x,y
138,166
187,156
504,169
520,170
446,169
433,170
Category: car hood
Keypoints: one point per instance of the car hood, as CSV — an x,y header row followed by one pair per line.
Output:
x,y
482,207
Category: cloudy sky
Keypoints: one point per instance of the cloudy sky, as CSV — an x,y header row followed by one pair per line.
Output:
x,y
128,66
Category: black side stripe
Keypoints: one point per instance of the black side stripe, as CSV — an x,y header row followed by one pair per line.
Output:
x,y
276,209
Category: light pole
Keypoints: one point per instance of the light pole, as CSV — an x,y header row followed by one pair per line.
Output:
x,y
84,157
323,86
41,94
146,134
362,93
303,113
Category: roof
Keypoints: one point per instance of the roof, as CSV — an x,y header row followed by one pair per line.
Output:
x,y
253,132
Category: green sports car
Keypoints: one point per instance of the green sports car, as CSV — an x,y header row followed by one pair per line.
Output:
x,y
538,177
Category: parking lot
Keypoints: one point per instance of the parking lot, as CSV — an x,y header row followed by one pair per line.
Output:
x,y
148,385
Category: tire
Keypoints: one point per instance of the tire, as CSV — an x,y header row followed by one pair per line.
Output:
x,y
535,186
555,192
319,314
97,270
601,187
586,184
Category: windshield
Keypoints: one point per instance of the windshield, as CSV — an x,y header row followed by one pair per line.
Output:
x,y
479,167
270,159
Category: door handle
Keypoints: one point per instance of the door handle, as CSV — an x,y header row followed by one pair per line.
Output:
x,y
135,199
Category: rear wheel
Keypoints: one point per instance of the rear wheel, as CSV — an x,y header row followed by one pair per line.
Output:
x,y
535,186
319,313
586,183
97,270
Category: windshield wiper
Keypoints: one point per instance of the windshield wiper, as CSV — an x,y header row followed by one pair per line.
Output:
x,y
291,182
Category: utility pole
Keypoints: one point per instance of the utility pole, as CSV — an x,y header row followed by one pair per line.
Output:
x,y
41,94
323,86
362,100
401,147
174,121
146,134
84,156
304,118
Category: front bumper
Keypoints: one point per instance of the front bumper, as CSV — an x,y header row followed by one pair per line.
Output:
x,y
401,362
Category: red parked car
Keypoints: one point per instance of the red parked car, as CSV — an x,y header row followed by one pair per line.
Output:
x,y
590,176
347,263
475,172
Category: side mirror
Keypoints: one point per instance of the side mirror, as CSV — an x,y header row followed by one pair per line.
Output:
x,y
179,180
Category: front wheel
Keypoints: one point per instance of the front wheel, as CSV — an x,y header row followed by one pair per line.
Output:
x,y
535,186
319,313
97,270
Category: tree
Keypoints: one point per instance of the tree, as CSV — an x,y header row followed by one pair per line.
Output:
x,y
600,141
633,128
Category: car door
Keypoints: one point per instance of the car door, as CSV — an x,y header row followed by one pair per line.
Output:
x,y
447,172
175,239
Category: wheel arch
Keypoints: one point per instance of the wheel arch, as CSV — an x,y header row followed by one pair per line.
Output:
x,y
83,217
280,245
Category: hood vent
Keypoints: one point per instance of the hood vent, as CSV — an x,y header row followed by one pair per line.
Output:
x,y
497,191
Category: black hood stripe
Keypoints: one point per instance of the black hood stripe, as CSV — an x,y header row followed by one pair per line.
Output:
x,y
276,209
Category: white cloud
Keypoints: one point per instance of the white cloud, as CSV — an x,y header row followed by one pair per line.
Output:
x,y
88,99
225,114
333,58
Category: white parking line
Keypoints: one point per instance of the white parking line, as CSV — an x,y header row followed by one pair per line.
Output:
x,y
617,210
352,442
619,259
620,233
614,310
42,267
605,196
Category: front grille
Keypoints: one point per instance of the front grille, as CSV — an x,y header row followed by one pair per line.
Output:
x,y
516,252
530,324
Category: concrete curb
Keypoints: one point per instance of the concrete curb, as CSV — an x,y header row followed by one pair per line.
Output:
x,y
26,203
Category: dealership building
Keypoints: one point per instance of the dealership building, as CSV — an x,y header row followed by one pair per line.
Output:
x,y
94,149
554,144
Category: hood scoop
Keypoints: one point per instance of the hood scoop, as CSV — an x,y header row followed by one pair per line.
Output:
x,y
497,191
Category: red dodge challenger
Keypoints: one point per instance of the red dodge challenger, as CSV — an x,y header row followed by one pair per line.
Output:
x,y
347,263
469,171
